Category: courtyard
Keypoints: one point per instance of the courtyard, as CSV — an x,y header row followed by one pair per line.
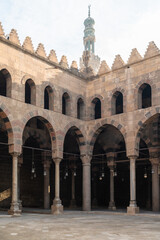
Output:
x,y
80,225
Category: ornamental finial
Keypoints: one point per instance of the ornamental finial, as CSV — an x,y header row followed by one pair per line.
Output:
x,y
89,10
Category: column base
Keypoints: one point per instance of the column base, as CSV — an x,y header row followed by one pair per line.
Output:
x,y
112,206
57,207
132,210
15,210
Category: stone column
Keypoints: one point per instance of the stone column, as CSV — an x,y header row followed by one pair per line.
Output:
x,y
111,165
20,162
86,159
46,185
155,184
57,207
132,209
14,209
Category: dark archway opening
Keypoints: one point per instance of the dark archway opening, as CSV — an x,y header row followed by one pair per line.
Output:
x,y
96,108
144,178
5,168
71,172
80,109
5,83
145,96
110,146
27,93
30,92
65,104
46,99
117,103
36,153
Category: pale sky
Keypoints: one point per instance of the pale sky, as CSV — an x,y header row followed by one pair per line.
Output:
x,y
120,25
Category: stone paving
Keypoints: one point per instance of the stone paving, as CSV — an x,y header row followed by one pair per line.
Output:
x,y
80,225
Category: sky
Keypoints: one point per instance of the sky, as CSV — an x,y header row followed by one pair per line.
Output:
x,y
120,25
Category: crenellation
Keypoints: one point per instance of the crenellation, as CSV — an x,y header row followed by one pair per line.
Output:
x,y
13,37
134,56
64,62
152,50
53,57
118,62
74,65
1,30
27,44
40,50
104,68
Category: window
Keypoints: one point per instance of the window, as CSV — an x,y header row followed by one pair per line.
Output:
x,y
144,96
30,92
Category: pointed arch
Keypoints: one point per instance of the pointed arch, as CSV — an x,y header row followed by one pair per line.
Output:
x,y
80,108
5,83
48,98
30,92
144,96
117,103
66,104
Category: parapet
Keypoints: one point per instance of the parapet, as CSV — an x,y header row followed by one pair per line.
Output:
x,y
151,51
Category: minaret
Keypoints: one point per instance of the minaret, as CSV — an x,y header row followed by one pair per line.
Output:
x,y
89,59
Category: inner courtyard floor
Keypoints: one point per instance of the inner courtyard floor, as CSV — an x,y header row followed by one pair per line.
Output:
x,y
80,225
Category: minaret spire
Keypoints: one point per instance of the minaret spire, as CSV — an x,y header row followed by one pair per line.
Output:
x,y
89,59
89,10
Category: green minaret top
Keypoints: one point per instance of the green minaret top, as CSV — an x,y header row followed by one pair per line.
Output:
x,y
89,37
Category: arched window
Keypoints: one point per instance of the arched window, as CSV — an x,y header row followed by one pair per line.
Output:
x,y
65,104
48,98
144,96
30,92
5,83
117,103
80,109
96,108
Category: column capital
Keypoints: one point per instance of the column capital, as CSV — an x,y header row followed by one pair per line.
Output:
x,y
111,164
86,159
57,160
154,161
132,157
15,154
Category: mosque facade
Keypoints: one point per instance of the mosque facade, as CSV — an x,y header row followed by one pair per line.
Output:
x,y
72,138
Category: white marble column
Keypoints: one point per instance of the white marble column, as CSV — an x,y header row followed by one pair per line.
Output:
x,y
86,159
111,165
14,209
46,185
132,209
57,207
155,185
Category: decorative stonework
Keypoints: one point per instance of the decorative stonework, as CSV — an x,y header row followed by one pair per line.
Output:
x,y
1,31
74,65
52,56
103,68
28,44
134,56
118,62
13,37
152,50
64,62
41,51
